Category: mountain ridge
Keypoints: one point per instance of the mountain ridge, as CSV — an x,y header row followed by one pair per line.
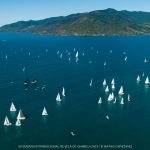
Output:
x,y
98,22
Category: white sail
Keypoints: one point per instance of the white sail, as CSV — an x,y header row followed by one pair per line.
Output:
x,y
44,113
138,78
128,97
105,63
104,82
7,122
113,86
122,101
6,57
147,80
91,82
63,92
110,97
20,115
121,90
12,107
18,122
23,69
58,97
100,100
145,60
126,58
57,52
113,81
60,55
77,54
107,89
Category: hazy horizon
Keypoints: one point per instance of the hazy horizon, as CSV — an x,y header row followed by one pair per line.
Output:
x,y
31,9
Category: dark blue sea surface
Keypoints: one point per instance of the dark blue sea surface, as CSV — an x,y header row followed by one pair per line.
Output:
x,y
79,111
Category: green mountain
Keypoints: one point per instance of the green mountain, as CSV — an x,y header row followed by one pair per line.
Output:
x,y
99,22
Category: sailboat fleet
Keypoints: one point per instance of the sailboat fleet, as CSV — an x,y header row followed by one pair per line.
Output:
x,y
109,89
111,95
20,116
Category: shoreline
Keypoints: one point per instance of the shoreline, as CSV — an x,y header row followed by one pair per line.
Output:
x,y
80,35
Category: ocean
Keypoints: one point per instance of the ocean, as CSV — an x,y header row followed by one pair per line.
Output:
x,y
79,111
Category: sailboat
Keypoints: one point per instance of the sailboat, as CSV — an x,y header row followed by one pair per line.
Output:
x,y
60,55
7,122
44,113
147,80
122,101
113,81
18,122
63,92
107,89
100,101
57,52
20,115
6,57
24,68
12,107
111,97
145,60
129,97
58,97
138,78
91,82
113,86
77,54
121,91
105,63
104,82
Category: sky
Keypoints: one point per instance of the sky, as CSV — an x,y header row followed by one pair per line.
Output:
x,y
17,10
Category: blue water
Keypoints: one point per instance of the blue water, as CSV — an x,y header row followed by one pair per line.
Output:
x,y
79,111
